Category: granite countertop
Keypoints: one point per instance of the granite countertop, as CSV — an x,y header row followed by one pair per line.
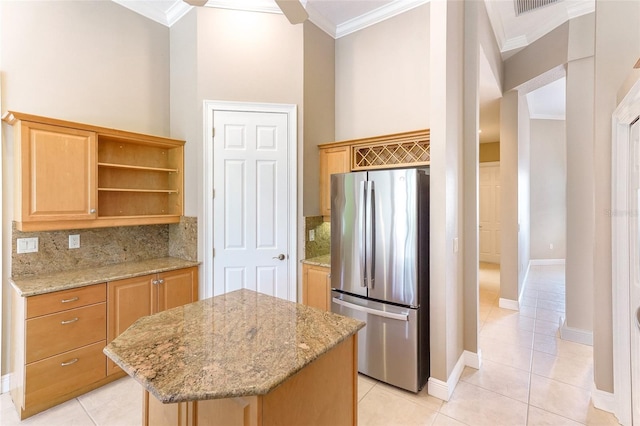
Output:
x,y
47,283
324,261
237,344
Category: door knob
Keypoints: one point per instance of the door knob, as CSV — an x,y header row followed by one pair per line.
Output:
x,y
280,256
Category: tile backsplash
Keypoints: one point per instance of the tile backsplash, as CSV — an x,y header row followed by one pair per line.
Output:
x,y
322,240
104,246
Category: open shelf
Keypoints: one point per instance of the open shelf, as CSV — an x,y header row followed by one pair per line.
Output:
x,y
128,167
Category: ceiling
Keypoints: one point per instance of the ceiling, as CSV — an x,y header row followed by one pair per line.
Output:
x,y
342,17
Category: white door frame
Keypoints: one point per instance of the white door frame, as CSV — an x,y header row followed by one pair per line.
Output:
x,y
626,112
292,125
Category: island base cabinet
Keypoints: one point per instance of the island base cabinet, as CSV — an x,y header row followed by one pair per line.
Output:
x,y
323,393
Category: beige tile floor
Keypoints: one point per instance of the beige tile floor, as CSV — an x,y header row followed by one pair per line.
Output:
x,y
528,377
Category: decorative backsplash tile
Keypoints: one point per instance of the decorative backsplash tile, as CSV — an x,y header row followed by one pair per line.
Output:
x,y
104,246
183,239
322,239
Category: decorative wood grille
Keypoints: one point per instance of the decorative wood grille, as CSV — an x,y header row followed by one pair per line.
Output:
x,y
415,152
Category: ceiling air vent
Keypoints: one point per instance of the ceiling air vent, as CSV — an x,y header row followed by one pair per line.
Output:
x,y
523,6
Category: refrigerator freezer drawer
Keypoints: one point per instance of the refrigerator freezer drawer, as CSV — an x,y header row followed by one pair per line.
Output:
x,y
388,345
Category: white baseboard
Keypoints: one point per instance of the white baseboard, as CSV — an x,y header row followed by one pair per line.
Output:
x,y
603,400
509,304
4,383
473,359
444,390
546,262
575,334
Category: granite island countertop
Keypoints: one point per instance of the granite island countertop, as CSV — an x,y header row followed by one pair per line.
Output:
x,y
237,344
33,285
324,261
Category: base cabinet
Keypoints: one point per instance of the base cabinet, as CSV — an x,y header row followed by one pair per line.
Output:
x,y
57,338
134,298
316,286
323,393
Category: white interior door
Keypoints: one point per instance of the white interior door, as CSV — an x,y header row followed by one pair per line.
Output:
x,y
489,213
251,206
634,290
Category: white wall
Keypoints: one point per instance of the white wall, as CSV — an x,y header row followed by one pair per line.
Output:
x,y
93,62
382,77
548,189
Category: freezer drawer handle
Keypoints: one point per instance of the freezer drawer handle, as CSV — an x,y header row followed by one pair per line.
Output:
x,y
391,315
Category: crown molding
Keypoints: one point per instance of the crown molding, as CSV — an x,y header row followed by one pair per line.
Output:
x,y
378,15
247,5
320,21
151,11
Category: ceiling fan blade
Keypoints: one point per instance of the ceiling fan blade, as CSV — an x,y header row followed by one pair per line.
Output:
x,y
196,2
293,10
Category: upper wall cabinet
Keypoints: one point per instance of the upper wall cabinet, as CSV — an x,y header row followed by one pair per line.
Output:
x,y
70,176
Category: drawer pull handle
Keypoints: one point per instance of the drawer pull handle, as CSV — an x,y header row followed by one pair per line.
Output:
x,y
73,299
69,321
73,361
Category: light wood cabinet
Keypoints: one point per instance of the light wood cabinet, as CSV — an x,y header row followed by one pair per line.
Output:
x,y
57,340
134,298
332,160
72,176
316,286
58,173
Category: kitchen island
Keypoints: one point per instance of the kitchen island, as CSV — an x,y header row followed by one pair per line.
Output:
x,y
243,358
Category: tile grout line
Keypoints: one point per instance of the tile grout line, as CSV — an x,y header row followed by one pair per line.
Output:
x,y
87,411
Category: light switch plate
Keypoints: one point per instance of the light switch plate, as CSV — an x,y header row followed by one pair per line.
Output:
x,y
27,245
74,241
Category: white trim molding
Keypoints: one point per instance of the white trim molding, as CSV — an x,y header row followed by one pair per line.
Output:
x,y
444,390
4,383
546,262
292,123
626,113
575,335
514,305
602,400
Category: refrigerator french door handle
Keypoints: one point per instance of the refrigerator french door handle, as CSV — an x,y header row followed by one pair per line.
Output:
x,y
391,315
361,233
369,233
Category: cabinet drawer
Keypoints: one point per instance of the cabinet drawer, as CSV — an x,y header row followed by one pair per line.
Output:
x,y
56,333
50,303
59,375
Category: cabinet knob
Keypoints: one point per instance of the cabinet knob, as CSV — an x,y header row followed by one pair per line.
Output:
x,y
92,211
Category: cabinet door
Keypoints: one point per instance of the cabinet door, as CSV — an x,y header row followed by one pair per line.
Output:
x,y
175,288
332,160
57,173
127,300
316,290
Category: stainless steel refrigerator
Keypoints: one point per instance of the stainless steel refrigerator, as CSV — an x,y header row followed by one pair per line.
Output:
x,y
380,269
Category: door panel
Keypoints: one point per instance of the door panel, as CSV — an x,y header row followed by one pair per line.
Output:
x,y
395,202
489,213
251,203
347,227
388,345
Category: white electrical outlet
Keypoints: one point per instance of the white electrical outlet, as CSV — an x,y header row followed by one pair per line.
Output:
x,y
27,245
74,241
551,246
312,235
